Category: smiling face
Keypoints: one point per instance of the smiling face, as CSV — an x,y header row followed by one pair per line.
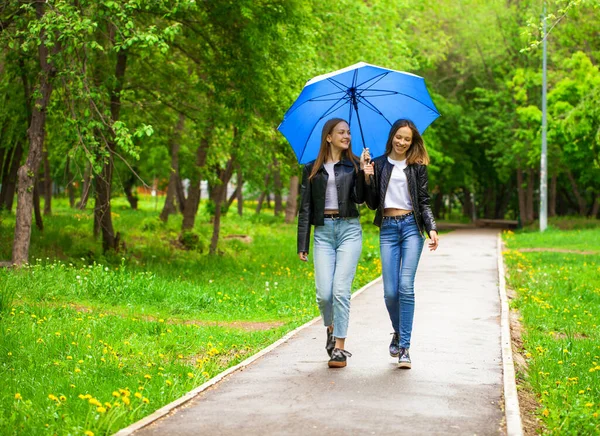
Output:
x,y
340,137
401,142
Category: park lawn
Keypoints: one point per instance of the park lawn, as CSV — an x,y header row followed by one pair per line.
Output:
x,y
94,343
558,298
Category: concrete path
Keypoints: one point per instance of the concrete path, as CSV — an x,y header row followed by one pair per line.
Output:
x,y
455,386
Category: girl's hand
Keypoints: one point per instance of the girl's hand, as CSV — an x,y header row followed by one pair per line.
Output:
x,y
434,241
303,256
369,172
365,158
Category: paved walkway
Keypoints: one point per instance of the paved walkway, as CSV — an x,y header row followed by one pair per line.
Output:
x,y
455,385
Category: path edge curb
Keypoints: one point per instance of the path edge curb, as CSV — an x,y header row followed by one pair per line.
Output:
x,y
166,409
512,411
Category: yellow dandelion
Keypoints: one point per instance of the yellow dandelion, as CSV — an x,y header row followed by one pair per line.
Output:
x,y
52,397
190,375
169,382
101,409
147,376
63,398
18,396
77,370
88,433
589,405
138,395
116,394
546,412
145,400
126,400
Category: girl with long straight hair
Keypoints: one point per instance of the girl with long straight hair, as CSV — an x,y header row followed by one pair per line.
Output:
x,y
397,189
332,186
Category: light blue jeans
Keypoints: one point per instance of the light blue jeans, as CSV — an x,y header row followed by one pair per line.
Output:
x,y
401,244
337,244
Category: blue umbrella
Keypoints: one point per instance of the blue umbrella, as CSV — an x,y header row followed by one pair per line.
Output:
x,y
369,97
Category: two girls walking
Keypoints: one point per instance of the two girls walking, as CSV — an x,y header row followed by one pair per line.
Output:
x,y
395,185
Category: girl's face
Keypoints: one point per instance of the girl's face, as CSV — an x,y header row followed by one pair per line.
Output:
x,y
402,140
340,136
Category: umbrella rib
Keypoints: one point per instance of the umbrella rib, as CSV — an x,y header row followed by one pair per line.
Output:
x,y
381,76
371,106
406,95
339,85
287,114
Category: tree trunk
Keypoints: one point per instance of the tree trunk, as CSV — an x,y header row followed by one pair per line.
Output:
x,y
193,199
467,203
12,162
292,201
104,181
103,193
128,187
595,207
180,193
552,199
28,171
278,187
70,186
232,197
240,192
263,194
521,196
438,203
47,183
580,199
102,209
220,195
530,207
37,212
85,189
174,146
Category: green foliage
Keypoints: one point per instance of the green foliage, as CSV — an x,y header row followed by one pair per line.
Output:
x,y
159,321
557,296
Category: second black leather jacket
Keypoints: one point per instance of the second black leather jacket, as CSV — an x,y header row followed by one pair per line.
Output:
x,y
350,191
418,190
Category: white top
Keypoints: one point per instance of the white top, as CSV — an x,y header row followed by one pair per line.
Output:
x,y
397,195
331,197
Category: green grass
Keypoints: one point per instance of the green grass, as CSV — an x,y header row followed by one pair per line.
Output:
x,y
82,333
558,297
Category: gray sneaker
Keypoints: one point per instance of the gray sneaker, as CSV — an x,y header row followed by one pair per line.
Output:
x,y
395,345
330,344
404,359
338,358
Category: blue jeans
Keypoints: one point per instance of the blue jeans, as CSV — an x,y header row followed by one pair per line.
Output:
x,y
338,244
401,244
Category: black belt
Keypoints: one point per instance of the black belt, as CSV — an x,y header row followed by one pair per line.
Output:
x,y
331,215
399,217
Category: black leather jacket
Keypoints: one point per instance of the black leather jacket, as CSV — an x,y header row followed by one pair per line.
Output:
x,y
350,191
416,176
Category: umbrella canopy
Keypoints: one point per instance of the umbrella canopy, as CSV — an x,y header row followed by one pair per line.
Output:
x,y
369,97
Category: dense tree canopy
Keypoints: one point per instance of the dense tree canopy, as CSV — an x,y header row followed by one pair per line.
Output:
x,y
158,92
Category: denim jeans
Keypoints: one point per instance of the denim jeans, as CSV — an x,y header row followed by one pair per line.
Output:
x,y
338,245
401,244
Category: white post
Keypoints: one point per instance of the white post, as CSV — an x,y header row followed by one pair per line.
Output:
x,y
544,157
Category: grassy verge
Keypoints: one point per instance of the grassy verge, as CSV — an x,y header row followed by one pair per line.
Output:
x,y
558,297
91,343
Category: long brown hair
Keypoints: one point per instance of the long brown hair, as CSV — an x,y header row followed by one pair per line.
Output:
x,y
325,150
416,153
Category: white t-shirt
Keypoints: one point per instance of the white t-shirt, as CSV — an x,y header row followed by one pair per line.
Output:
x,y
331,197
397,195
